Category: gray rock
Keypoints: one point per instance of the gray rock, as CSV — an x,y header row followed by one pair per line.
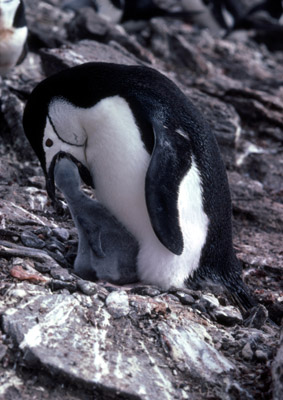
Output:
x,y
247,351
228,315
261,355
185,298
86,50
88,288
210,301
52,331
117,303
29,239
61,233
191,346
56,284
146,290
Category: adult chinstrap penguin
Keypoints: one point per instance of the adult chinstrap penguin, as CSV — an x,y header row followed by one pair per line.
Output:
x,y
106,251
13,34
153,161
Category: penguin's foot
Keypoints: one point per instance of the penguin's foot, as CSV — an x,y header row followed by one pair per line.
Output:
x,y
233,288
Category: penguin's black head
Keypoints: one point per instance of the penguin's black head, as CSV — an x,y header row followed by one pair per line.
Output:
x,y
46,143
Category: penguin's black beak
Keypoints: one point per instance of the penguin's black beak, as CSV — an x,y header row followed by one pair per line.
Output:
x,y
50,183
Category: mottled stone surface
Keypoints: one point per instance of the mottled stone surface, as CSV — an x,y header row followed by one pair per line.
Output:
x,y
80,337
62,338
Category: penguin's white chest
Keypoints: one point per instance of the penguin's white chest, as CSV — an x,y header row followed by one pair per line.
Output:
x,y
11,47
118,161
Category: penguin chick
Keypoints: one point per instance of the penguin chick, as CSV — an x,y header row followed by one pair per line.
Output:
x,y
154,162
13,34
106,251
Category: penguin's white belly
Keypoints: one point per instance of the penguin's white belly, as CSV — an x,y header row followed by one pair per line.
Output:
x,y
11,47
158,265
118,162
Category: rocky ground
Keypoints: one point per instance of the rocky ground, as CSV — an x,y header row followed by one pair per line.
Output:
x,y
64,338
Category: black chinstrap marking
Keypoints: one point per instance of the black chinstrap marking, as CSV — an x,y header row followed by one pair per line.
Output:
x,y
57,134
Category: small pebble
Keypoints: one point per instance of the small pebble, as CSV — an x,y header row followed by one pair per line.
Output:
x,y
43,268
210,301
18,293
88,288
58,285
228,315
29,239
247,351
146,291
61,274
61,233
261,355
185,299
118,304
55,245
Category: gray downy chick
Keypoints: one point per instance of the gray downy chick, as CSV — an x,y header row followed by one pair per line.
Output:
x,y
106,250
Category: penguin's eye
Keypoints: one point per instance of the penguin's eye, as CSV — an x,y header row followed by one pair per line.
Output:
x,y
49,143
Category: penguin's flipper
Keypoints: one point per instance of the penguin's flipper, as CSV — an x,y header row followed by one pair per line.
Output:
x,y
170,161
93,234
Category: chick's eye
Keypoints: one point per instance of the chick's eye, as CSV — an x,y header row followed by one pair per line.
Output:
x,y
49,143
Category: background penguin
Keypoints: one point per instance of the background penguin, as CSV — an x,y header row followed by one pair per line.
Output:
x,y
125,10
13,34
154,163
226,12
106,250
273,7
